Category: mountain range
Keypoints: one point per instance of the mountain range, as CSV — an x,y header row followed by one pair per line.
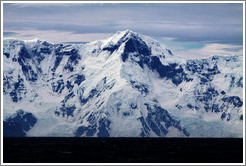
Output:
x,y
128,85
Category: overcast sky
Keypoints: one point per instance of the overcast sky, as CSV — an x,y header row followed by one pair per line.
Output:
x,y
188,26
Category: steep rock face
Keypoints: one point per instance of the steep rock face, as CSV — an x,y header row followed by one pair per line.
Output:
x,y
18,124
126,86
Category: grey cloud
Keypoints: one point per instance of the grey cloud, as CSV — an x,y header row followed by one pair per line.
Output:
x,y
28,36
209,22
73,28
7,34
237,49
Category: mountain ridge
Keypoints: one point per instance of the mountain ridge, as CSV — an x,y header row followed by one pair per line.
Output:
x,y
125,86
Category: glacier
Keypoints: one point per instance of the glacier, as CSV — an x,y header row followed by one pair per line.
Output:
x,y
128,85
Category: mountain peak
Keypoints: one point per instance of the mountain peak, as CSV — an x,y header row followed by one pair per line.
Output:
x,y
122,35
125,32
117,39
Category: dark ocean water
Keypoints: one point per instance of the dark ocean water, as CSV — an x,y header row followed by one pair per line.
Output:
x,y
122,150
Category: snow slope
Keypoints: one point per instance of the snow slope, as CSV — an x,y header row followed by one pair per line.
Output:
x,y
128,85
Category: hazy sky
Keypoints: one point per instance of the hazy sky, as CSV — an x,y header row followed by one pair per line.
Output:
x,y
183,27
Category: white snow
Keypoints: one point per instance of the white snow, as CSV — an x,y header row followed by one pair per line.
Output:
x,y
96,64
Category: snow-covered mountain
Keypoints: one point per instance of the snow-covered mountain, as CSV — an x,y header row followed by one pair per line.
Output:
x,y
129,85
